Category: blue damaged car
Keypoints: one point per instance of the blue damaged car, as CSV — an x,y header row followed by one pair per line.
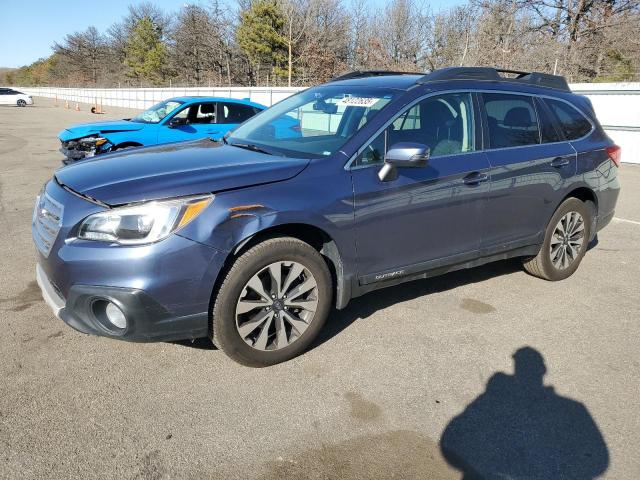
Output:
x,y
173,120
252,241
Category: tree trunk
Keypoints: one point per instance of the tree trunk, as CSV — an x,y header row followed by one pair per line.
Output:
x,y
290,53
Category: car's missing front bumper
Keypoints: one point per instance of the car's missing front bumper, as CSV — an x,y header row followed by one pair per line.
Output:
x,y
73,155
74,150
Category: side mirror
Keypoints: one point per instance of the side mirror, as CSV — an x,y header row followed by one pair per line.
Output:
x,y
177,122
403,154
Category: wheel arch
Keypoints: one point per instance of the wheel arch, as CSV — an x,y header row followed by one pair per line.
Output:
x,y
585,194
126,145
315,236
589,197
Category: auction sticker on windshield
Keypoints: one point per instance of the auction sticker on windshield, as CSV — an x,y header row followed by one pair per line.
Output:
x,y
365,102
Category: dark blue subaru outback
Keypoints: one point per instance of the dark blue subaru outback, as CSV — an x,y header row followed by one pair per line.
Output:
x,y
390,178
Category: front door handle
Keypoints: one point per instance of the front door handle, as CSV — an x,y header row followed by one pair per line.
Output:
x,y
475,178
560,162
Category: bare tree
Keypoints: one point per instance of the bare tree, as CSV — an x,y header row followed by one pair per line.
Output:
x,y
302,42
85,52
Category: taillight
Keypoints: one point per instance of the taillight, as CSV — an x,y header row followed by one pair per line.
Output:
x,y
615,154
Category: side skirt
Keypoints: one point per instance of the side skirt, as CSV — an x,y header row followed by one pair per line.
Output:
x,y
369,283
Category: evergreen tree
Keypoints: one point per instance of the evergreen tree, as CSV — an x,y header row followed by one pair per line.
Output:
x,y
145,53
261,39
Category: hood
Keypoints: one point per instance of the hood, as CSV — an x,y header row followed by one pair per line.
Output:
x,y
174,170
84,129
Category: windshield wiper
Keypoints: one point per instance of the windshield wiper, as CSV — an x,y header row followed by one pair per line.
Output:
x,y
250,146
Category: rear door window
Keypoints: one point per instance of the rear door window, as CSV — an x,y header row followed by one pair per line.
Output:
x,y
573,123
512,120
234,112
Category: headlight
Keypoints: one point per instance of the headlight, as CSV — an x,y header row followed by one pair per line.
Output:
x,y
143,223
92,141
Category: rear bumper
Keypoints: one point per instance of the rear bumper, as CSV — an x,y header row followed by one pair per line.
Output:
x,y
147,320
604,220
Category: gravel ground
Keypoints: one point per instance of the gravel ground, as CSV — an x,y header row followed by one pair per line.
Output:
x,y
396,377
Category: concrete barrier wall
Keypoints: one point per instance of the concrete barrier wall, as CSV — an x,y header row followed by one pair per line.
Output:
x,y
617,104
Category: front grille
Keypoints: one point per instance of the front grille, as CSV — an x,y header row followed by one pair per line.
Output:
x,y
47,219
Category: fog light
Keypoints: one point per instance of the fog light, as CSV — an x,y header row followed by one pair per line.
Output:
x,y
115,316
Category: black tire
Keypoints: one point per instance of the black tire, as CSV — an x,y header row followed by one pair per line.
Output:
x,y
541,265
224,332
21,103
119,148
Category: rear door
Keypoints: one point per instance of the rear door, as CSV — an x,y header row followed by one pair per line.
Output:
x,y
427,216
575,128
530,165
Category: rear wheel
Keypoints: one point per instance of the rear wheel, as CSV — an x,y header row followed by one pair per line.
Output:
x,y
565,243
272,303
22,103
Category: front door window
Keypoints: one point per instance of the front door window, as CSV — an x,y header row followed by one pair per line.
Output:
x,y
444,123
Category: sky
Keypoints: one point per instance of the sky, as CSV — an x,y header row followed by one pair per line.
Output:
x,y
30,27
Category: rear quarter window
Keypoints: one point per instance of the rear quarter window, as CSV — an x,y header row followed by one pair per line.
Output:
x,y
573,124
548,132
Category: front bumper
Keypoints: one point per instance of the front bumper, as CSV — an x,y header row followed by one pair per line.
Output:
x,y
164,288
147,320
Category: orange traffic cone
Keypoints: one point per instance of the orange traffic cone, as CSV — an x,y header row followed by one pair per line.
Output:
x,y
77,107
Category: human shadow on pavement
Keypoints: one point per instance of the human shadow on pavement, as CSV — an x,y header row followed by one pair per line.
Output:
x,y
521,429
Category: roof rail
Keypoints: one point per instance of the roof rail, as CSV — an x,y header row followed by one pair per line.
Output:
x,y
493,74
371,73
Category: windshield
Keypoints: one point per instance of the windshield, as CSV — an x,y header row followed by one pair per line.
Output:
x,y
314,123
156,113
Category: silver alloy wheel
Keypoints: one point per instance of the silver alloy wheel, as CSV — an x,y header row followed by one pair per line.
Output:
x,y
277,305
22,103
567,240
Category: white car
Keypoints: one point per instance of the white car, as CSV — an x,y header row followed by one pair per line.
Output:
x,y
9,96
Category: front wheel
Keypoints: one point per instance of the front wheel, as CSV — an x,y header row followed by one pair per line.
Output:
x,y
22,103
565,242
272,303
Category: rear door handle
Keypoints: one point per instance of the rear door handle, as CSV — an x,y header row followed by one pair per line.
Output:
x,y
560,162
475,178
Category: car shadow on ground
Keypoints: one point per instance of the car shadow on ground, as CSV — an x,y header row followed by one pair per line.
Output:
x,y
363,307
368,304
520,428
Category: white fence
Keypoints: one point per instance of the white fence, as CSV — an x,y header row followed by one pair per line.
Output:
x,y
141,98
618,108
617,104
